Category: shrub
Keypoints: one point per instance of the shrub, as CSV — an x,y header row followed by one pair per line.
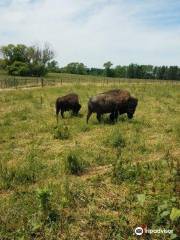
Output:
x,y
19,69
30,171
74,164
49,214
116,140
38,70
124,171
62,132
44,197
85,128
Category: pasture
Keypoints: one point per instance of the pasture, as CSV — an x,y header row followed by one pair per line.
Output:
x,y
97,181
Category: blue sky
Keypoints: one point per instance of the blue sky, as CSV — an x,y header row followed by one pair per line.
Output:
x,y
95,31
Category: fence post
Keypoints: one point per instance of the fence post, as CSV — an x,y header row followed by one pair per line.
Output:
x,y
16,82
42,82
41,100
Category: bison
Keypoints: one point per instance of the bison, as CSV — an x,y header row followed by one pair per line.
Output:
x,y
115,102
67,103
127,103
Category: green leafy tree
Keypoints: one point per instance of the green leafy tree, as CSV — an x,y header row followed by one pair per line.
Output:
x,y
131,71
120,71
2,64
108,70
27,61
95,71
76,68
173,72
12,53
53,66
161,72
18,69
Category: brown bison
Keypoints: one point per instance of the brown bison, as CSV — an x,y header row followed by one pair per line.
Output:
x,y
115,102
67,103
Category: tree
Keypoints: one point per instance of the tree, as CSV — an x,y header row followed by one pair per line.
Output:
x,y
2,64
108,71
161,72
148,71
53,66
75,68
95,71
18,68
131,71
140,71
34,60
173,72
12,53
120,71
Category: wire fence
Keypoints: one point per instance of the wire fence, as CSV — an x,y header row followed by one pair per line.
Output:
x,y
62,79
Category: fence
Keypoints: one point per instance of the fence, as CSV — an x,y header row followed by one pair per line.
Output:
x,y
60,79
18,82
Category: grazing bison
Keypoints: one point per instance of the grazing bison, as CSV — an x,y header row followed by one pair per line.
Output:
x,y
67,103
126,103
122,93
114,102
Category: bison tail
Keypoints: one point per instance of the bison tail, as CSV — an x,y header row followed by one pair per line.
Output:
x,y
88,115
57,109
89,112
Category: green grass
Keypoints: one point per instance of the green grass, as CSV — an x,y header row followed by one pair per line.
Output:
x,y
95,181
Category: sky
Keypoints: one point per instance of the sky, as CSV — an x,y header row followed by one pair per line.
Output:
x,y
96,31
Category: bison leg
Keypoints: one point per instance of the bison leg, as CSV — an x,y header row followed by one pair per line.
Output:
x,y
99,117
57,113
62,113
116,115
76,109
88,115
111,116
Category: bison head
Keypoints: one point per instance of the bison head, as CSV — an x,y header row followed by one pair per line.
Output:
x,y
131,108
77,108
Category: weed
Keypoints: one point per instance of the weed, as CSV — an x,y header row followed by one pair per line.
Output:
x,y
116,140
49,214
62,132
74,164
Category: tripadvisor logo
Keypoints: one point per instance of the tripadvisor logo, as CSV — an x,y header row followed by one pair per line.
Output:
x,y
139,231
144,230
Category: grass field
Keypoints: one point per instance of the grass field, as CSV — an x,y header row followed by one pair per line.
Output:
x,y
95,181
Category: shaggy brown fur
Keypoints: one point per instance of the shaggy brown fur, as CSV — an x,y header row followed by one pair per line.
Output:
x,y
67,103
114,102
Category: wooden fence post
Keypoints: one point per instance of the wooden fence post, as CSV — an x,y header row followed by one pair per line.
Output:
x,y
42,82
41,100
16,83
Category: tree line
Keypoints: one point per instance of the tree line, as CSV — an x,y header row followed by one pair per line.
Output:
x,y
22,60
130,71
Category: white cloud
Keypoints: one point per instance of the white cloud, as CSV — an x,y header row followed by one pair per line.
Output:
x,y
92,31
